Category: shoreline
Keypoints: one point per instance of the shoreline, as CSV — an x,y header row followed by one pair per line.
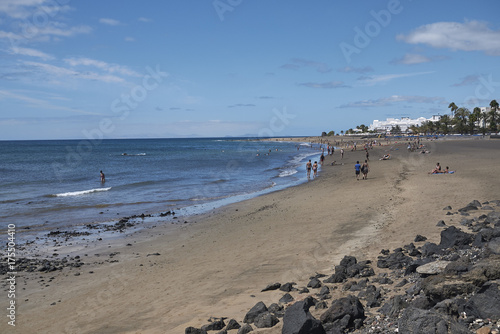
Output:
x,y
77,236
212,267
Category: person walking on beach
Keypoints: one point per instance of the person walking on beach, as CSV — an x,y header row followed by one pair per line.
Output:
x,y
315,169
103,178
321,159
365,169
341,153
357,169
308,168
367,155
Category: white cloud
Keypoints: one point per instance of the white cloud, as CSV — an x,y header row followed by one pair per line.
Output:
x,y
63,31
10,36
468,36
52,70
39,103
349,69
21,9
144,19
300,63
109,22
129,39
324,85
386,101
376,79
31,53
110,68
411,59
37,20
468,80
242,105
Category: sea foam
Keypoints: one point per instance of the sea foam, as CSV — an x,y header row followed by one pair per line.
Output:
x,y
82,192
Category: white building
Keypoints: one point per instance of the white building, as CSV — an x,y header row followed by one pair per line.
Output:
x,y
404,123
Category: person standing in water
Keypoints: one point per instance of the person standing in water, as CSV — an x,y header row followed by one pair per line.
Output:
x,y
103,178
315,169
308,168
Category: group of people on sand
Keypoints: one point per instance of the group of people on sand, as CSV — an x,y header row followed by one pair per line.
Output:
x,y
438,170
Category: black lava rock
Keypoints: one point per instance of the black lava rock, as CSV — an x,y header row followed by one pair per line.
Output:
x,y
251,315
298,320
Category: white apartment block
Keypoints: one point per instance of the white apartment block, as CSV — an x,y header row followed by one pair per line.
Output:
x,y
404,123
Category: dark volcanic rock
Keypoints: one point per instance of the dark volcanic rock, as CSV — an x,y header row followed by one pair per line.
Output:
x,y
494,245
246,328
492,217
395,260
441,223
421,302
470,207
259,308
214,326
232,324
452,237
348,261
273,286
321,305
324,291
372,295
287,287
336,278
192,330
298,320
304,290
430,248
438,288
486,303
315,283
276,309
419,238
348,306
394,306
416,321
266,320
287,298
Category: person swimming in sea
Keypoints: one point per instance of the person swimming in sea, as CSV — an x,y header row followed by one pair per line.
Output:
x,y
103,177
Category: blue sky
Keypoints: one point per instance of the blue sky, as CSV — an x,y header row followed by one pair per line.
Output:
x,y
180,68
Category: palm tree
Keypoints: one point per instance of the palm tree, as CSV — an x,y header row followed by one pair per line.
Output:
x,y
461,117
484,118
445,123
453,108
474,118
493,116
428,127
414,129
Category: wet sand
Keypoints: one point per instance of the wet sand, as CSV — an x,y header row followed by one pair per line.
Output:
x,y
174,276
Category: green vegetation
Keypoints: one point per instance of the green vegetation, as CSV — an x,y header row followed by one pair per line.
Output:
x,y
464,121
461,120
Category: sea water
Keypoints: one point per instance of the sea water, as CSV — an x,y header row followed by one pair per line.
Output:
x,y
57,183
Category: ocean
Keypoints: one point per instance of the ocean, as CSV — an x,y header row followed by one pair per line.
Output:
x,y
56,183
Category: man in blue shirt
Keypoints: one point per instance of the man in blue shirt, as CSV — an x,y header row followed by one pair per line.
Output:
x,y
357,168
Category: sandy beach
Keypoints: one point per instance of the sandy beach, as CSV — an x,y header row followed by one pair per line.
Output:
x,y
170,277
